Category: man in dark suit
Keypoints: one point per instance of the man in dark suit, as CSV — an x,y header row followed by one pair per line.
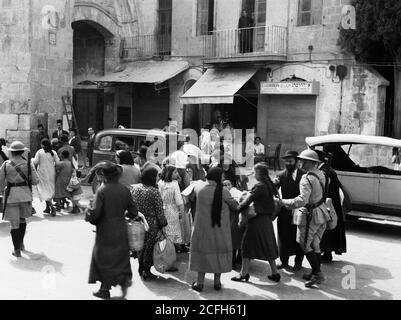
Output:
x,y
288,181
91,145
74,141
59,132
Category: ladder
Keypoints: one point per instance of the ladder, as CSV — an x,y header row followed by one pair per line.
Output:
x,y
69,113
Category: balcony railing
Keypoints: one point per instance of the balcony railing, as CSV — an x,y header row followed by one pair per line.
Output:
x,y
247,42
147,46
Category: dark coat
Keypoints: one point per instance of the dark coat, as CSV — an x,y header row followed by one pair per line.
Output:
x,y
259,240
56,135
287,231
111,254
91,147
335,240
76,144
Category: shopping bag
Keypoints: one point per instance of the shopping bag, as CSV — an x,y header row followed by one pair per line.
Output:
x,y
164,255
136,234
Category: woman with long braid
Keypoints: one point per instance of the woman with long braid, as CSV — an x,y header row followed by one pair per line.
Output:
x,y
259,241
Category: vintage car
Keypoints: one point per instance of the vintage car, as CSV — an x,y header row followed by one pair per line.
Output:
x,y
108,142
365,167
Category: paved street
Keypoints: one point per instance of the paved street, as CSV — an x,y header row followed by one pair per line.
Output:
x,y
57,264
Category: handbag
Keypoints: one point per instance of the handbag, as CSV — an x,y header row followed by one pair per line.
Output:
x,y
136,234
164,255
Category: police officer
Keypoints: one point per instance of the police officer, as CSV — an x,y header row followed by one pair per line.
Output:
x,y
16,180
311,219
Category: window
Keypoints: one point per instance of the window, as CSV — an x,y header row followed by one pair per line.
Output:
x,y
205,17
165,16
106,144
310,12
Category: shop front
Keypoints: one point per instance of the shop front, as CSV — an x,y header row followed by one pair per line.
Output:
x,y
287,113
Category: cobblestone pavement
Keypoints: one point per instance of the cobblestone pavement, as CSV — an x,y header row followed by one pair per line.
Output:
x,y
57,264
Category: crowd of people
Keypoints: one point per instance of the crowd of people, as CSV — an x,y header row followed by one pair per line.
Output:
x,y
203,207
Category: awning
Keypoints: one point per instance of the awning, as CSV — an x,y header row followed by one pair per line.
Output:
x,y
218,86
147,72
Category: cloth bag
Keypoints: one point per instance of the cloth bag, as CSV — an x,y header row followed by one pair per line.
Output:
x,y
136,234
186,227
164,255
332,223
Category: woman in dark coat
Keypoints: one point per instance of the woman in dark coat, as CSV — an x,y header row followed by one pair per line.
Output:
x,y
111,255
150,203
334,240
259,241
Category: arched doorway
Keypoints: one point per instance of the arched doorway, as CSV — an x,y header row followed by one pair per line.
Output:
x,y
89,58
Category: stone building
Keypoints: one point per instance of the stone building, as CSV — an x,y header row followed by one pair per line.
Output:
x,y
138,62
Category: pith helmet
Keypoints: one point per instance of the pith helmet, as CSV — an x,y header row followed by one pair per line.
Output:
x,y
17,146
309,155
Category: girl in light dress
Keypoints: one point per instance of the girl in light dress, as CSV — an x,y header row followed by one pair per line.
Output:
x,y
173,204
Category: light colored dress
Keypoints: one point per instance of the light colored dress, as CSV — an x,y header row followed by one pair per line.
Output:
x,y
46,168
172,201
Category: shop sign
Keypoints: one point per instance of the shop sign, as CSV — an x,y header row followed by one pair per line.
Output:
x,y
292,87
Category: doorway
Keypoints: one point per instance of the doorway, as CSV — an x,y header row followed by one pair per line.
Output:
x,y
89,110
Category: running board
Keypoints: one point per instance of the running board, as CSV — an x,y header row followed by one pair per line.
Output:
x,y
374,216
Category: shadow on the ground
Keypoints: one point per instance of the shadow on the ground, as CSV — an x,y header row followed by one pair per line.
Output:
x,y
336,286
36,262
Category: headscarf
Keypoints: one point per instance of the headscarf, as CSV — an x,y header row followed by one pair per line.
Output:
x,y
215,174
149,176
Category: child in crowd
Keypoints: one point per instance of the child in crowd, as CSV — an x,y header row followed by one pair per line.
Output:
x,y
75,189
64,171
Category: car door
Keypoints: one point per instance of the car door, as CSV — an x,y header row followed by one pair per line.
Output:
x,y
363,188
390,192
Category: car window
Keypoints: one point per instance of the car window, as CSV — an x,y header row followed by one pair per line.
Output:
x,y
372,158
106,143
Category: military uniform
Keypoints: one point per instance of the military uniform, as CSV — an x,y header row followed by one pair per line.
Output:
x,y
311,221
17,194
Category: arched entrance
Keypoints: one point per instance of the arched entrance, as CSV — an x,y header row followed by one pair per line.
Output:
x,y
89,59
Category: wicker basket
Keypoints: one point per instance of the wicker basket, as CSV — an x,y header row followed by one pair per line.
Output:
x,y
136,235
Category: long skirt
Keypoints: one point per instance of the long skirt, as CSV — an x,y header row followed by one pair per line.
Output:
x,y
259,241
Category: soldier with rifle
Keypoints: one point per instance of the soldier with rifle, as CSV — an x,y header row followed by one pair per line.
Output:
x,y
312,217
17,176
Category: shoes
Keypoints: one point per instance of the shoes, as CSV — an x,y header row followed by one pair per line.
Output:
x,y
297,268
283,266
307,277
217,286
17,253
197,287
47,210
102,294
241,278
54,210
275,277
148,276
316,279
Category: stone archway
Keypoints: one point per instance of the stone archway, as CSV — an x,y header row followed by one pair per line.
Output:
x,y
90,11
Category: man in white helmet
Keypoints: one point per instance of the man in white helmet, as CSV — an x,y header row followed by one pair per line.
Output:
x,y
17,176
312,216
